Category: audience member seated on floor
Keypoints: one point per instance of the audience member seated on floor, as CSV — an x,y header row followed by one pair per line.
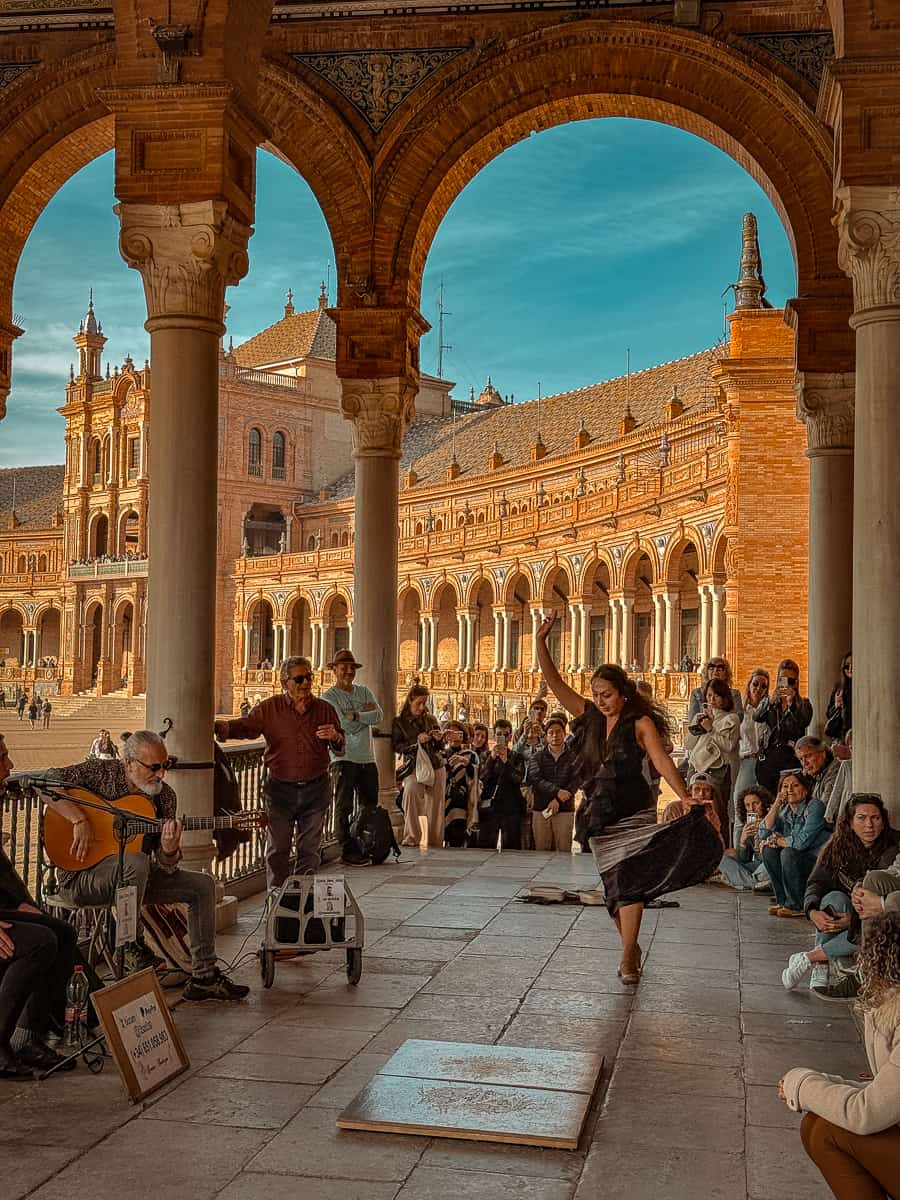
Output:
x,y
501,804
863,841
851,1131
703,791
711,743
461,768
552,776
820,766
786,714
790,838
742,867
843,784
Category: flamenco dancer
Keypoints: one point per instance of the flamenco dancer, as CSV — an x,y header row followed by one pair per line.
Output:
x,y
638,860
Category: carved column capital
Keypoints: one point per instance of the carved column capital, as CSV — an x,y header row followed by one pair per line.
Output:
x,y
868,223
8,334
187,255
825,404
380,410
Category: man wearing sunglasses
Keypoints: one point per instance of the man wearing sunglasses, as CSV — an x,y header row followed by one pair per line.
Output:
x,y
154,871
299,729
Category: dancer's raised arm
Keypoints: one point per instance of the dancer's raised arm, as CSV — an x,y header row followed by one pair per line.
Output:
x,y
560,689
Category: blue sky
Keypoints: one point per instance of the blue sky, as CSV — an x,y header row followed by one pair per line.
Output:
x,y
571,247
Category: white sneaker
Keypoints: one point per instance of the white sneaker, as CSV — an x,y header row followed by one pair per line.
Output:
x,y
798,965
819,976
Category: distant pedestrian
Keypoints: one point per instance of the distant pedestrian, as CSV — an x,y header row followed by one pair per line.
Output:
x,y
2,697
20,705
33,712
245,707
46,710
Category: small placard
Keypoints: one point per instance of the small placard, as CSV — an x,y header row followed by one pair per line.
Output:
x,y
126,915
328,896
140,1033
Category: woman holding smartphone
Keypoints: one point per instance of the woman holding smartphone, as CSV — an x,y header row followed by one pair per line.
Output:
x,y
742,867
785,716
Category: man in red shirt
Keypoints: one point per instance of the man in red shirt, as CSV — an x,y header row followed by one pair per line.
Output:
x,y
298,728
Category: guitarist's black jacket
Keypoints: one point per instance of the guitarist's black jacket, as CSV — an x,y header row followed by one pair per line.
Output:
x,y
13,891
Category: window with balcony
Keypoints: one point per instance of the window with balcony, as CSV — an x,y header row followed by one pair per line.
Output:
x,y
97,457
254,453
278,457
133,457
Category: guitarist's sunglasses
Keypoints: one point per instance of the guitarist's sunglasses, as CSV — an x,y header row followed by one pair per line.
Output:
x,y
301,678
165,765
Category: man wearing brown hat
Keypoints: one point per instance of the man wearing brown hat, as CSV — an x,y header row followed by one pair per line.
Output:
x,y
354,770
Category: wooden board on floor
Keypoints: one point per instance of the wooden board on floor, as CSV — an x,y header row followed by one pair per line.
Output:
x,y
522,1095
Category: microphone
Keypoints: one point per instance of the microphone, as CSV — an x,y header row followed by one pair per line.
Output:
x,y
21,781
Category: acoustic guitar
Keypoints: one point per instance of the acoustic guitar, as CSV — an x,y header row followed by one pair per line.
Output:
x,y
58,831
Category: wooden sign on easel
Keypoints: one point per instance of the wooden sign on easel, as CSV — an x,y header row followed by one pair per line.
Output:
x,y
141,1035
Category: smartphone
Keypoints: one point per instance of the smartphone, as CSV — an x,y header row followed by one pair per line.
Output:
x,y
500,740
752,819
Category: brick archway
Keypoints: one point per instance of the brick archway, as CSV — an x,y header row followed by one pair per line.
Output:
x,y
576,71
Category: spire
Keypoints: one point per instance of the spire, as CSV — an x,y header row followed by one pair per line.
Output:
x,y
90,321
289,307
323,295
750,289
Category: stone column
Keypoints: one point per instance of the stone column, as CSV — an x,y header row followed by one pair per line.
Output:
x,y
868,223
461,630
432,642
627,631
574,626
704,634
584,638
718,618
470,641
672,655
421,657
349,634
825,404
537,616
498,639
378,410
659,634
615,634
187,255
318,644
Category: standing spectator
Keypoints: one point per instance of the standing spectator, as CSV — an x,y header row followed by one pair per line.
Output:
x,y
793,833
716,668
536,715
46,710
299,729
2,697
353,771
531,740
445,713
103,746
245,707
712,742
34,709
423,803
820,766
461,767
501,804
552,776
742,867
851,1131
480,739
748,746
21,704
785,717
839,713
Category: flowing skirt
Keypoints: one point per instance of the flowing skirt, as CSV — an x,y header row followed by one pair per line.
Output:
x,y
639,860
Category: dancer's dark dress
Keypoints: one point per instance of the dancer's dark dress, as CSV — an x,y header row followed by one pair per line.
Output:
x,y
638,860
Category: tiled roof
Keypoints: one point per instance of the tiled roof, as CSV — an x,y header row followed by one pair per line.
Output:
x,y
293,337
39,494
428,444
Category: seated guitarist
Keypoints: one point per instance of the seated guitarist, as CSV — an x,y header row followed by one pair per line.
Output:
x,y
154,871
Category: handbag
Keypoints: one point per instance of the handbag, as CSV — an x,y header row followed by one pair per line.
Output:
x,y
424,769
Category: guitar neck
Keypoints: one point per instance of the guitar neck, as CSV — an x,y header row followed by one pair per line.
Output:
x,y
147,825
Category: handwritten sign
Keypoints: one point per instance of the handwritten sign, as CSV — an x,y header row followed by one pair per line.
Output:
x,y
126,915
140,1032
328,896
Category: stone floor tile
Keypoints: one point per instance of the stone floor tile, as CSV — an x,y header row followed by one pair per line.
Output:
x,y
408,889
700,956
641,1171
767,1060
676,1025
414,948
474,976
533,920
441,915
26,1170
656,973
652,997
702,1122
430,1007
775,952
817,1025
395,908
299,1042
129,1163
277,1068
244,1103
653,1047
326,1016
566,1033
512,947
602,1005
725,938
312,1146
484,886
52,1113
399,966
767,972
493,1158
586,960
206,1038
598,936
674,1079
463,934
766,1110
252,1185
561,981
350,1079
778,1169
467,1029
433,1183
759,998
373,991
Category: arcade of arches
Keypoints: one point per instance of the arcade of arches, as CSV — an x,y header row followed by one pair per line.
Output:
x,y
806,102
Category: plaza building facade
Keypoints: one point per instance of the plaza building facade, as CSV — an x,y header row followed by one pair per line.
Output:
x,y
627,507
388,116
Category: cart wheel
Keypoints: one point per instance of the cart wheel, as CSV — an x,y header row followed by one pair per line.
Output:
x,y
267,967
354,966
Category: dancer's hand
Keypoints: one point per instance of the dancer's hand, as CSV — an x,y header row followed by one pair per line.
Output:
x,y
546,626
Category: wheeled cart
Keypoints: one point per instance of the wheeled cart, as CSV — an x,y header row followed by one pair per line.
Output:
x,y
293,927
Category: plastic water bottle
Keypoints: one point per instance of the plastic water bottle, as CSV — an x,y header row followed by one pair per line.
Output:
x,y
76,1007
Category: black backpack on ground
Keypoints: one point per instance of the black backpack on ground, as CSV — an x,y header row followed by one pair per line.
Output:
x,y
371,836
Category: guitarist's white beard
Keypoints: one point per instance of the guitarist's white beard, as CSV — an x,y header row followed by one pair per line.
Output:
x,y
149,789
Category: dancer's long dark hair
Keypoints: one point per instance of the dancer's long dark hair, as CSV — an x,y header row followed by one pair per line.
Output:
x,y
636,706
